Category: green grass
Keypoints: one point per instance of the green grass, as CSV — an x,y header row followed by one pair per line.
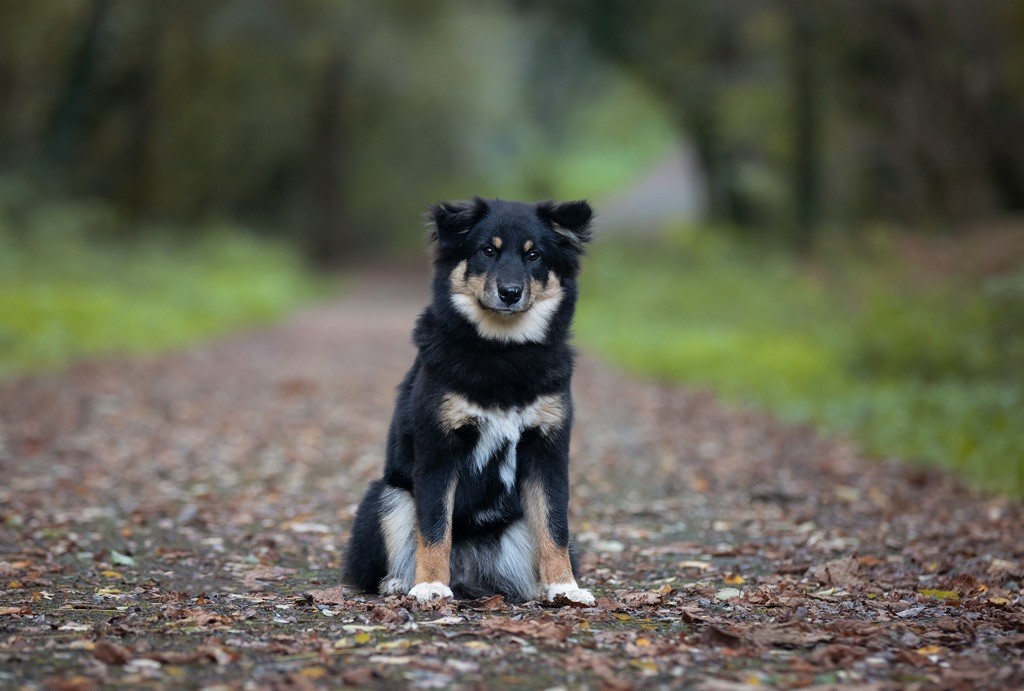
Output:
x,y
921,373
68,290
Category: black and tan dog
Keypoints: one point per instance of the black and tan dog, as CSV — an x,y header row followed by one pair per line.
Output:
x,y
476,485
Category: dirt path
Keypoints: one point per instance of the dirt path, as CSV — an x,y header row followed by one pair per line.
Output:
x,y
178,521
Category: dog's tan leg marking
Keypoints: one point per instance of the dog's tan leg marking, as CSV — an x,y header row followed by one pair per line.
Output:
x,y
553,560
433,561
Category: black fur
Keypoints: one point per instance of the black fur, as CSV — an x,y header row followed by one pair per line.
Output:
x,y
493,373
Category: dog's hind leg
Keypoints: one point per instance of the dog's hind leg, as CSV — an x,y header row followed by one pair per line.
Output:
x,y
366,560
398,525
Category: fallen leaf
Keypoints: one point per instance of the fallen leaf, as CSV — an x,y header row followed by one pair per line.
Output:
x,y
728,593
121,559
718,637
609,604
734,579
110,654
302,528
838,655
386,615
840,572
646,598
202,618
21,609
252,577
444,621
357,677
788,635
487,604
314,672
533,628
329,596
206,653
1005,567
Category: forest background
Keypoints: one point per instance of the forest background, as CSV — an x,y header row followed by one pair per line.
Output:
x,y
809,207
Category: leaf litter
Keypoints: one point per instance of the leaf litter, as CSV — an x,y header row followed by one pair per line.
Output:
x,y
180,521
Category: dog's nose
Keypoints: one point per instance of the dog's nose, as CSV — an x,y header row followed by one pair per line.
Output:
x,y
510,294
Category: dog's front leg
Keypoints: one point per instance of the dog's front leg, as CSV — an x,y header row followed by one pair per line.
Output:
x,y
546,504
435,497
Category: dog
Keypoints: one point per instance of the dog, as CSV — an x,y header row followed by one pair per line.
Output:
x,y
475,494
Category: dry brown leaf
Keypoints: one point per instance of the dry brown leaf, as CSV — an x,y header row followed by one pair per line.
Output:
x,y
360,676
720,638
329,596
838,655
543,629
20,609
647,598
252,577
840,572
487,604
790,635
110,653
609,604
205,653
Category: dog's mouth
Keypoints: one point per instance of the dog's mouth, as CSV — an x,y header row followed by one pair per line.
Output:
x,y
505,310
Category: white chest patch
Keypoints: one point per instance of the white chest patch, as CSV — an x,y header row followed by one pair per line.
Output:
x,y
501,428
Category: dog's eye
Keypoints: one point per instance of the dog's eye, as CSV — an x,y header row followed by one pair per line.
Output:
x,y
488,251
532,256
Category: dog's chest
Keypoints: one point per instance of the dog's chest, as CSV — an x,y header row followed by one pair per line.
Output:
x,y
500,429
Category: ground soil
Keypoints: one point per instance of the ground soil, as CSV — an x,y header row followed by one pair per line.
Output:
x,y
179,521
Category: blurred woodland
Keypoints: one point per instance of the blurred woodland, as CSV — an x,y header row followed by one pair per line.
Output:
x,y
338,120
859,169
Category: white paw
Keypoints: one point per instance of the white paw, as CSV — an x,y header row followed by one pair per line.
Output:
x,y
425,592
393,586
571,592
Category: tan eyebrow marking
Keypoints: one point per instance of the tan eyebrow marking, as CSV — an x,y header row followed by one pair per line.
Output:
x,y
496,241
528,246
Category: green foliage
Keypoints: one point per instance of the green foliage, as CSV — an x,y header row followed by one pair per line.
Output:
x,y
921,372
68,291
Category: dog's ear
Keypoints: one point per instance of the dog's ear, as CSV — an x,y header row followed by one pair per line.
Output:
x,y
454,219
571,220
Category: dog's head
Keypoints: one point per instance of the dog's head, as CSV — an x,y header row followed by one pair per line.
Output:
x,y
509,267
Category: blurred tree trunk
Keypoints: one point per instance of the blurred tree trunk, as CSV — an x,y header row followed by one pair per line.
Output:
x,y
144,88
806,99
74,98
328,237
702,119
701,125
